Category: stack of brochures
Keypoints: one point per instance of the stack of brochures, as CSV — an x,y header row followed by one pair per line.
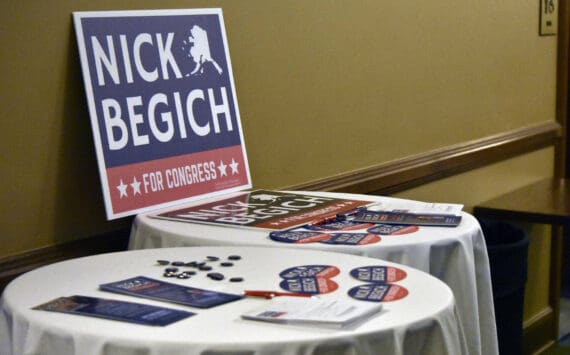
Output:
x,y
323,312
411,212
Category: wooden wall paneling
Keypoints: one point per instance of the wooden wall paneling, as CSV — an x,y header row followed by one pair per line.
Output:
x,y
430,166
13,266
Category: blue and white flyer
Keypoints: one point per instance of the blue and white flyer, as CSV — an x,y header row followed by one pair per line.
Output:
x,y
145,287
115,310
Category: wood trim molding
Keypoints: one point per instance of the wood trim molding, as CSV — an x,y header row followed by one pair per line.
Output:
x,y
537,332
13,266
562,165
382,179
426,167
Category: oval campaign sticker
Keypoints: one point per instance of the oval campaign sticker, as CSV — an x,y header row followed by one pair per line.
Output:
x,y
311,285
352,239
378,292
378,274
298,237
393,229
322,271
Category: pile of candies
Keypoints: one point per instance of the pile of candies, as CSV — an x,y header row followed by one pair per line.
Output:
x,y
173,268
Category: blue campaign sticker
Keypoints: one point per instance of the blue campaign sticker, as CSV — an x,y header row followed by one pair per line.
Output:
x,y
339,225
352,239
322,271
392,229
378,292
298,237
310,285
378,274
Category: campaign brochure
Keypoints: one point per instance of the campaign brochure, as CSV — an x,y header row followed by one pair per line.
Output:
x,y
115,310
417,207
404,212
325,312
438,220
145,287
263,209
163,107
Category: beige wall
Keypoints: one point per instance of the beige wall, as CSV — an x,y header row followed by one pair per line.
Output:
x,y
324,87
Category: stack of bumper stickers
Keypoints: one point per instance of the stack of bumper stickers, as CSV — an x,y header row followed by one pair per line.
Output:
x,y
313,280
317,279
366,225
340,231
380,287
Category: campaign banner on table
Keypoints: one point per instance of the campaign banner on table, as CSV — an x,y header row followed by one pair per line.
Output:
x,y
163,107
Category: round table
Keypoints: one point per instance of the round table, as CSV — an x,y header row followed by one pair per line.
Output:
x,y
455,255
423,321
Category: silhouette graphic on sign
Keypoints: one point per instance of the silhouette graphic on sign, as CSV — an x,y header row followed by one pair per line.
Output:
x,y
268,199
200,51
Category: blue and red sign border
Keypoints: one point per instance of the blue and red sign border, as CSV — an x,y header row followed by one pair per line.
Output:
x,y
115,205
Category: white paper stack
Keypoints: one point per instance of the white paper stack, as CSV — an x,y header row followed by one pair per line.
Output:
x,y
327,312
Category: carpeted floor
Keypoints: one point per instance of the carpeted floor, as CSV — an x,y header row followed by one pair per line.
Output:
x,y
563,347
559,350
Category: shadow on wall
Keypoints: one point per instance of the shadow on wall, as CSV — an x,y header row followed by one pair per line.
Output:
x,y
78,209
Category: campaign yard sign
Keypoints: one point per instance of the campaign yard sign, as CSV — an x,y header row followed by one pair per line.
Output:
x,y
163,107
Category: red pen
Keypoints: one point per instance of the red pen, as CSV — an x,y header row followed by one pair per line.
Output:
x,y
271,294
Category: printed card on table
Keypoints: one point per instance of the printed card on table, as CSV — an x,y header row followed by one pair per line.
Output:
x,y
163,107
335,312
115,310
145,287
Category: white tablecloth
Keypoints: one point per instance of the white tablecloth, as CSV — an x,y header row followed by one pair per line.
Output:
x,y
457,256
423,322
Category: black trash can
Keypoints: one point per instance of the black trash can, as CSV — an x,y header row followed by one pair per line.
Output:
x,y
507,246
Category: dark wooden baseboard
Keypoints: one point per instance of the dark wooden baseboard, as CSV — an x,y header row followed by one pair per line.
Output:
x,y
537,333
437,164
13,266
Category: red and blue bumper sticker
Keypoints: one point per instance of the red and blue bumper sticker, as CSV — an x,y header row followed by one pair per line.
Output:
x,y
311,279
298,237
378,292
310,285
378,274
393,229
352,239
339,225
317,271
